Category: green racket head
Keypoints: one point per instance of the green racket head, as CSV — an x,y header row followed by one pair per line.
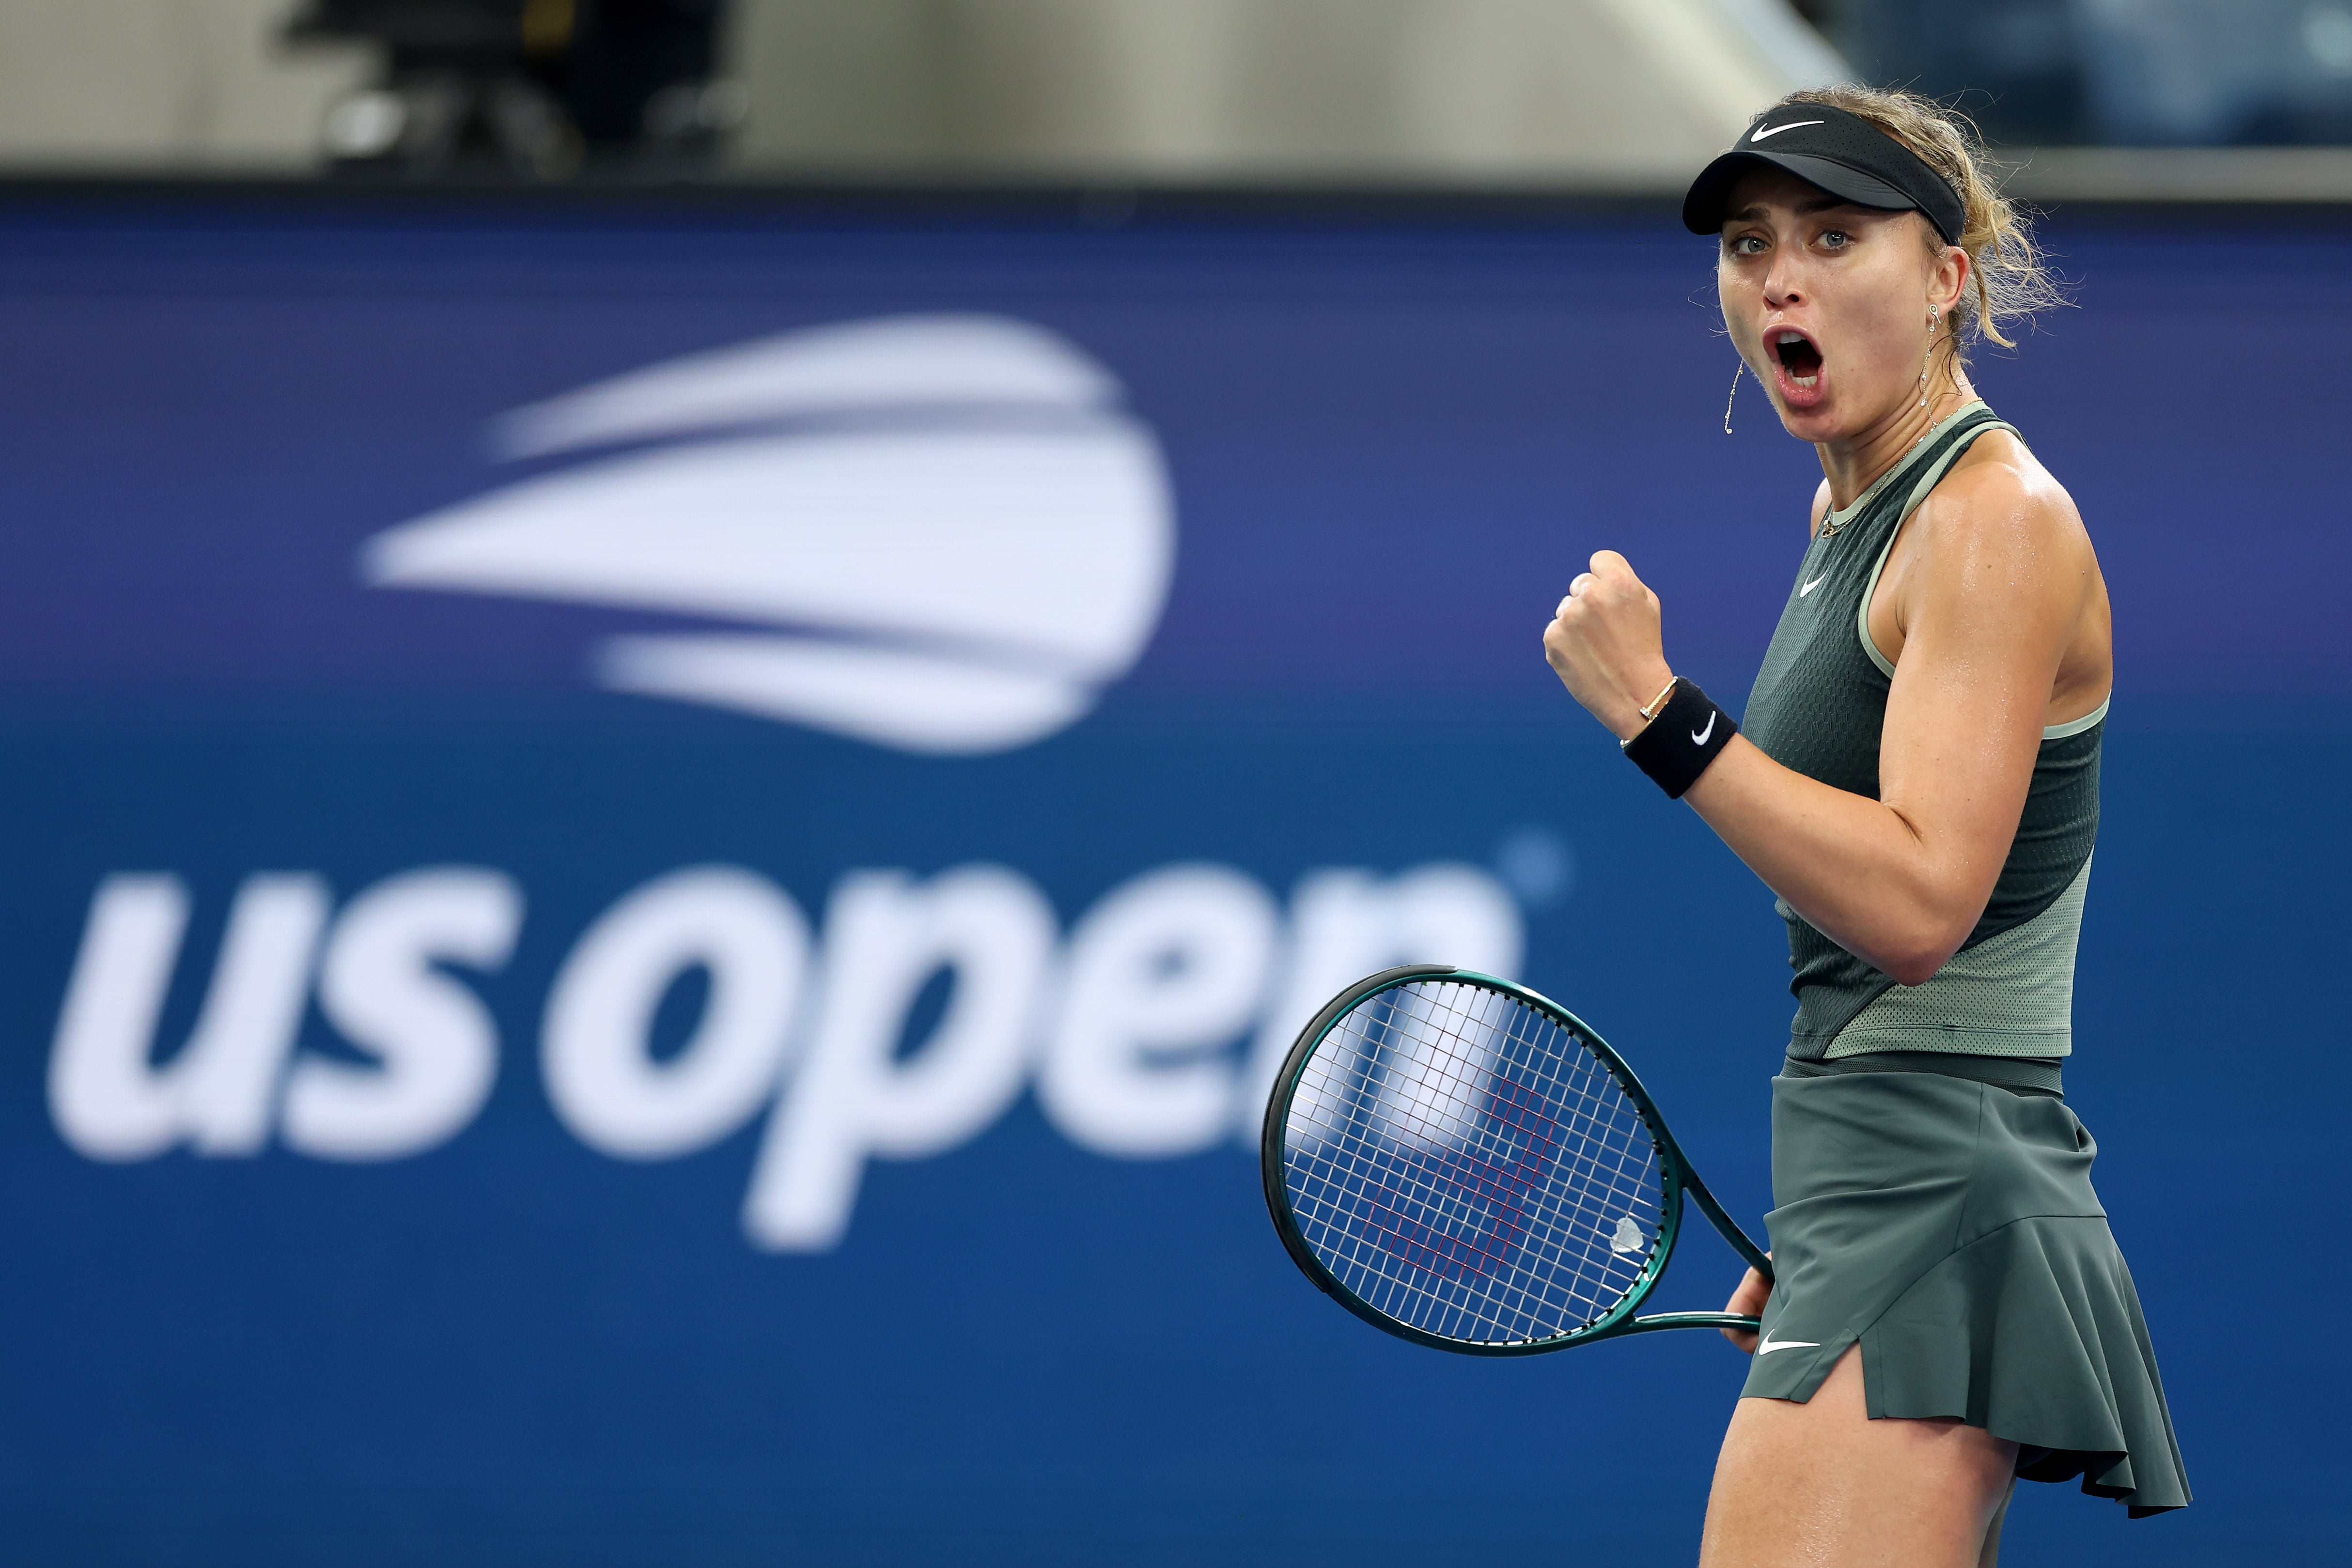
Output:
x,y
1464,1163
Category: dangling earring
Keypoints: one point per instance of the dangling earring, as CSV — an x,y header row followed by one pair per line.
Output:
x,y
1930,360
1735,393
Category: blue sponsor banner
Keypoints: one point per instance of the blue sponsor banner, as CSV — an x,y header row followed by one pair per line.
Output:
x,y
656,859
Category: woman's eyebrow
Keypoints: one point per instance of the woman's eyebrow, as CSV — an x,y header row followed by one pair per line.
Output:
x,y
1805,209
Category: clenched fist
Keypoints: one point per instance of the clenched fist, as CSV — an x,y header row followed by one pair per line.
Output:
x,y
1604,641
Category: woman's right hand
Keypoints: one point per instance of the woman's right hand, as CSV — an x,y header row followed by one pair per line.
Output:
x,y
1748,1301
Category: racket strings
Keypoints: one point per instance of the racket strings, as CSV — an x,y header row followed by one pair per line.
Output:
x,y
1433,1119
1462,1163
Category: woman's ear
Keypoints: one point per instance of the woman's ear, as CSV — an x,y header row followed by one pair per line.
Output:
x,y
1950,280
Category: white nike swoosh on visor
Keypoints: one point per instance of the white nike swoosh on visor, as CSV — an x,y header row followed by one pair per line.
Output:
x,y
1808,588
1698,736
1767,1345
1763,130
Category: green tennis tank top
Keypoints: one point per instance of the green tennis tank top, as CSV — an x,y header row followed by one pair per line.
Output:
x,y
1818,706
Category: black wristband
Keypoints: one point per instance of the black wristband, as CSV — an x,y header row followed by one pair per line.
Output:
x,y
1677,745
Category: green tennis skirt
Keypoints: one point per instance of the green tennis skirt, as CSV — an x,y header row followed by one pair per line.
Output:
x,y
1949,1227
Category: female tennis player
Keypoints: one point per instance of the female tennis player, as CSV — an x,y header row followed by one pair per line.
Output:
x,y
1917,779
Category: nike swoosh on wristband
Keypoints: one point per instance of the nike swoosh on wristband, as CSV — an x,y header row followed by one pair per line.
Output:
x,y
1698,736
1766,1345
1764,131
1809,587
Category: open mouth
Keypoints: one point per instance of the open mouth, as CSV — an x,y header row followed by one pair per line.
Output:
x,y
1799,358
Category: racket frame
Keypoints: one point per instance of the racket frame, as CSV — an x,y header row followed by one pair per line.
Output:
x,y
1676,1181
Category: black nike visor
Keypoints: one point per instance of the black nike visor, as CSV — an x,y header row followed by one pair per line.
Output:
x,y
1843,153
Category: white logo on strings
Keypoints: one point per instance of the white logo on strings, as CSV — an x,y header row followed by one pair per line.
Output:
x,y
1629,1237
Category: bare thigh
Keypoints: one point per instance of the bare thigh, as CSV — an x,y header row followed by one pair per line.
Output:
x,y
1823,1486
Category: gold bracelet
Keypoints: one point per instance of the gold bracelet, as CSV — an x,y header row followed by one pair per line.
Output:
x,y
1650,709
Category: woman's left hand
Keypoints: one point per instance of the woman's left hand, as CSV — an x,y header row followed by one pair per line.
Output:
x,y
1604,644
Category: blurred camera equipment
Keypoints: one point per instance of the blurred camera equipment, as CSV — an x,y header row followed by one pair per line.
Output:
x,y
535,89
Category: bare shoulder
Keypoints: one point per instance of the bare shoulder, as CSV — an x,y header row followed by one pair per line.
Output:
x,y
1821,508
1997,557
1999,507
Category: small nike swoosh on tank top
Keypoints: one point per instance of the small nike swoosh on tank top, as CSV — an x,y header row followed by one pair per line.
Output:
x,y
1807,588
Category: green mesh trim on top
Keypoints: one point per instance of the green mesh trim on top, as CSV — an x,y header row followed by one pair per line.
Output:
x,y
2073,727
2009,995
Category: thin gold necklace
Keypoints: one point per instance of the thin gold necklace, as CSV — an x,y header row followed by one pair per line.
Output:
x,y
1831,523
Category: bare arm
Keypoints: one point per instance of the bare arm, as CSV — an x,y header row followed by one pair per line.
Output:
x,y
1987,605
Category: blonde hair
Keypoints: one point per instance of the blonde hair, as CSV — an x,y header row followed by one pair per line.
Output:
x,y
2008,279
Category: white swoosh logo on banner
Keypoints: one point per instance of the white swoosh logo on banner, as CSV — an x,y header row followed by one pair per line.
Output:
x,y
1764,131
940,534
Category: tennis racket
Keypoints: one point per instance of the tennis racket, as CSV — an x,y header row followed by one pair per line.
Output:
x,y
1464,1164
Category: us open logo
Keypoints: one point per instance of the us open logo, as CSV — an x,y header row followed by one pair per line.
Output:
x,y
1151,1028
936,533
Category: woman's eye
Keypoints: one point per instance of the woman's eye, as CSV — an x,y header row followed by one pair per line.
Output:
x,y
1837,240
1747,245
